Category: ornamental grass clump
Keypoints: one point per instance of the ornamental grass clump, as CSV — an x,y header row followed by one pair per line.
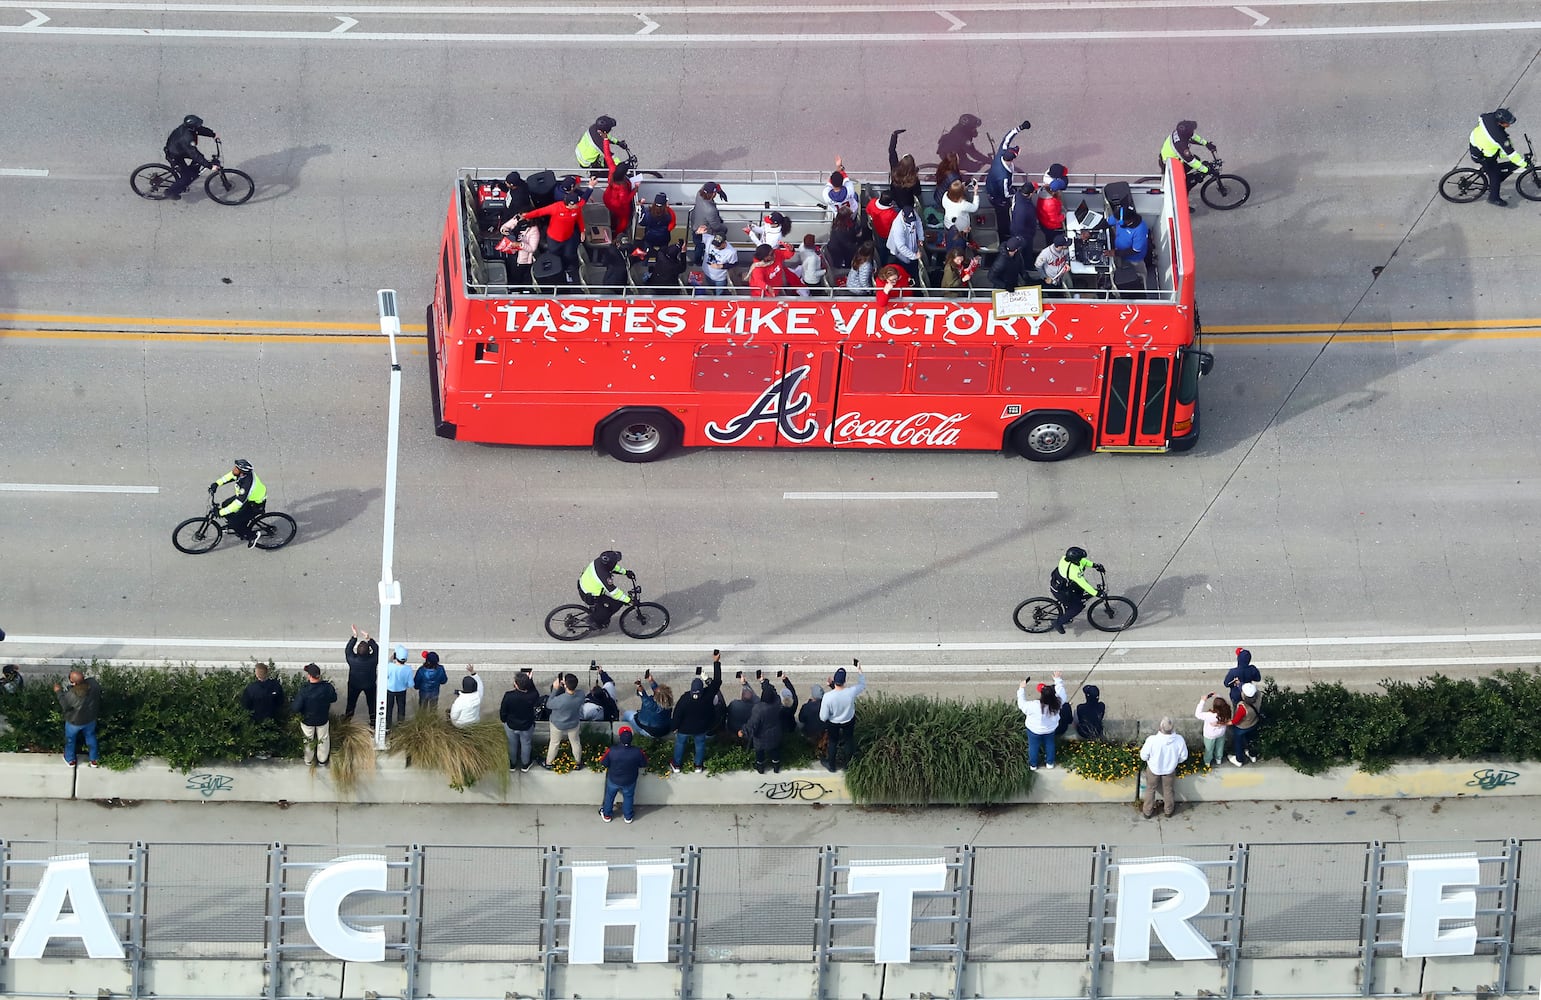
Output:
x,y
464,756
353,753
919,751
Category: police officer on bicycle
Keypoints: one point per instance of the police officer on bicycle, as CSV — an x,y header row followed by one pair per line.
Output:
x,y
1179,146
1490,144
250,500
1070,587
594,152
184,156
597,589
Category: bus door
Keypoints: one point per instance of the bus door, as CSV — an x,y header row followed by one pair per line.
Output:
x,y
809,385
760,395
1136,402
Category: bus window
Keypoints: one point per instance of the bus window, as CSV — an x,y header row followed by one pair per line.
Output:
x,y
1153,407
874,368
1048,371
1115,416
943,370
724,368
449,292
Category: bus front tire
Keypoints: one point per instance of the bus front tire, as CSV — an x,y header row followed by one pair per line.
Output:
x,y
1048,437
639,435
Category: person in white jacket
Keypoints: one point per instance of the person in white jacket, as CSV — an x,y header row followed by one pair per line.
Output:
x,y
1042,717
958,207
1163,752
904,242
467,709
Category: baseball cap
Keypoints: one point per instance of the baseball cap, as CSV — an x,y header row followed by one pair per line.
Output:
x,y
1061,240
840,676
660,199
401,653
1249,689
430,656
712,187
1015,243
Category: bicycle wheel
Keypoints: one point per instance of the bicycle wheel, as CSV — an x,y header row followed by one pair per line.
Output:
x,y
274,530
1528,184
645,620
1112,614
1036,614
569,622
1224,192
230,187
1462,185
196,535
152,180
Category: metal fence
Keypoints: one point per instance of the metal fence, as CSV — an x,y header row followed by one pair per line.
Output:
x,y
768,905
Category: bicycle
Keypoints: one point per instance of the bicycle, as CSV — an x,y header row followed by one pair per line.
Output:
x,y
1105,612
640,619
1463,185
197,535
1222,192
226,185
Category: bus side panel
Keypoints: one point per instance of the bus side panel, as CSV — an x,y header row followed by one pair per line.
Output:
x,y
741,394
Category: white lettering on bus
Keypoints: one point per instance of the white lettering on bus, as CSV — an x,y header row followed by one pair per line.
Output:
x,y
919,430
671,320
639,319
606,314
799,321
575,319
712,324
964,322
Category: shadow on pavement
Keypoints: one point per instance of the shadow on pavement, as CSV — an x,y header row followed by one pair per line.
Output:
x,y
699,605
322,514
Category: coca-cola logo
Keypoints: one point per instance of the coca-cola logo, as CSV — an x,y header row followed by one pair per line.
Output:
x,y
918,430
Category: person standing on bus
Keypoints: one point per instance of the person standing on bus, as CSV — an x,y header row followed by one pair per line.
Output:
x,y
564,230
706,219
904,242
768,273
597,589
999,183
594,150
657,223
1010,267
720,256
882,212
621,199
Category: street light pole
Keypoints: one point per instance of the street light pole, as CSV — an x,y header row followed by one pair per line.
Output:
x,y
390,588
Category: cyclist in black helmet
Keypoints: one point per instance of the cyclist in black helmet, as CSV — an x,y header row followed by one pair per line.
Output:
x,y
183,154
1493,152
250,499
594,151
1070,587
1179,146
597,589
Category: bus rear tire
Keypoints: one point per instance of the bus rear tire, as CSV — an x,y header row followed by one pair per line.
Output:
x,y
1048,437
639,435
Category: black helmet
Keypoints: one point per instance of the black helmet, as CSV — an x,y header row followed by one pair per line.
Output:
x,y
1186,128
607,561
604,123
195,121
1504,116
1075,554
242,464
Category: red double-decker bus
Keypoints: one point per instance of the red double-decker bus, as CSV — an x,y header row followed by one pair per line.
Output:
x,y
1107,363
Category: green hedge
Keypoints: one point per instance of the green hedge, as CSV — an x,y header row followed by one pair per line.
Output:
x,y
910,750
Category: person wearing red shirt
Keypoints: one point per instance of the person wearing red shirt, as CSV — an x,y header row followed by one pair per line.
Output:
x,y
621,199
564,228
892,281
768,274
1051,211
882,211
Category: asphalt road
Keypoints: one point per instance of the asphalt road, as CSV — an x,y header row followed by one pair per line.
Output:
x,y
354,120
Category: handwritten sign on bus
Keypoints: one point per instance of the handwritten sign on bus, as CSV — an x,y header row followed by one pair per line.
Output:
x,y
1018,302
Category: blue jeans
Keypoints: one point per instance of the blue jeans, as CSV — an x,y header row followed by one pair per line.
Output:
x,y
628,798
520,743
679,749
1039,746
1241,742
72,732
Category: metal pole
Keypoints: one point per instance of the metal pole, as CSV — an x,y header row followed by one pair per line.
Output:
x,y
390,588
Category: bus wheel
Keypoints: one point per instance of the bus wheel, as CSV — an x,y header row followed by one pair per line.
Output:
x,y
638,435
1048,437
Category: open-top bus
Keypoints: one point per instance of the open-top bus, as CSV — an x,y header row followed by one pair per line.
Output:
x,y
1043,372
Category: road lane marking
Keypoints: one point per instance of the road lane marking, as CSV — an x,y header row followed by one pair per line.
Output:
x,y
236,324
1258,20
22,172
600,10
73,488
896,495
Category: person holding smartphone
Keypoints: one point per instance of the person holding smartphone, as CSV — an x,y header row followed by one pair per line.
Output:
x,y
837,711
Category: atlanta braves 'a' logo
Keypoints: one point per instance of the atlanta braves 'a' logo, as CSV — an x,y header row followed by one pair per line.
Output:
x,y
780,403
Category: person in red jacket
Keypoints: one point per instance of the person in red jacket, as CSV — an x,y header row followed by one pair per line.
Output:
x,y
564,229
768,274
882,211
1051,211
621,199
892,281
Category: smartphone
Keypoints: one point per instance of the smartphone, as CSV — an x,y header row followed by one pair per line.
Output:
x,y
759,675
593,664
855,662
530,671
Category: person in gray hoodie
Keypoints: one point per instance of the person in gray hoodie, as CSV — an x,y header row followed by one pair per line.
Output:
x,y
81,704
705,220
566,707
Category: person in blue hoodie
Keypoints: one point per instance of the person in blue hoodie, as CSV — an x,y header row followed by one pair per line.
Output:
x,y
623,764
428,679
999,185
1242,673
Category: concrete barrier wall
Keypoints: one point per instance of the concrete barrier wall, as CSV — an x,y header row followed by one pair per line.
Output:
x,y
44,776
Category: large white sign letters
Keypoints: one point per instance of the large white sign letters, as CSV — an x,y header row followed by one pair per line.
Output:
x,y
647,913
1138,913
1429,904
324,894
895,884
67,878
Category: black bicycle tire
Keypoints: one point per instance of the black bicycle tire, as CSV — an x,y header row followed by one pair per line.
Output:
x,y
1041,622
1527,184
567,609
1105,603
224,176
1464,195
641,611
198,548
274,516
1219,181
157,185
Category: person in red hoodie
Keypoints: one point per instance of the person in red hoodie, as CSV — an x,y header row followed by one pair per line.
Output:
x,y
892,281
621,199
768,274
564,229
882,211
1051,211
